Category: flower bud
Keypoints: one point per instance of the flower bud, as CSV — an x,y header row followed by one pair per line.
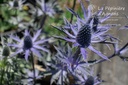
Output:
x,y
6,51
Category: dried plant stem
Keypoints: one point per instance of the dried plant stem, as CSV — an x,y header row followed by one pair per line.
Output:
x,y
76,54
32,59
43,21
73,7
113,55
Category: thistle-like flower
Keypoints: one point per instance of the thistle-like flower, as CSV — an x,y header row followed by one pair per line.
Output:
x,y
47,7
44,8
65,55
81,37
94,20
61,63
29,44
66,63
81,71
85,32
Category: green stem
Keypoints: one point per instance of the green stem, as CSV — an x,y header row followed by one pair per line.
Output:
x,y
76,54
2,73
3,70
33,68
43,21
73,7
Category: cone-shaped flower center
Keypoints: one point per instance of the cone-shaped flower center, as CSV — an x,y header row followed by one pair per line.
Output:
x,y
27,43
6,51
84,36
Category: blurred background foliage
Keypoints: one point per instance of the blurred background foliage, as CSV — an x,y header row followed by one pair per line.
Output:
x,y
10,18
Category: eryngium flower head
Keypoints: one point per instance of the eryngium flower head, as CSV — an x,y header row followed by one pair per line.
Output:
x,y
84,36
80,37
94,20
65,62
28,44
61,62
45,8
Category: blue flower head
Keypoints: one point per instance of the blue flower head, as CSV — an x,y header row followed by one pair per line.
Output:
x,y
94,20
80,33
78,41
67,64
29,44
44,8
